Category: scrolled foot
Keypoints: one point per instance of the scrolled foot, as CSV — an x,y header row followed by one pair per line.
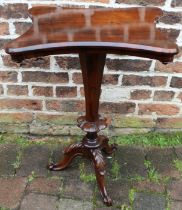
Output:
x,y
104,144
107,201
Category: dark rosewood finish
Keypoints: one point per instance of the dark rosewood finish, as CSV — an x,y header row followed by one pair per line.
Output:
x,y
92,33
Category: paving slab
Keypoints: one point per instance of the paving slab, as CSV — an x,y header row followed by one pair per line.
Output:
x,y
175,189
176,205
45,186
8,154
11,192
35,159
77,189
162,160
118,190
65,204
178,151
147,201
39,202
131,161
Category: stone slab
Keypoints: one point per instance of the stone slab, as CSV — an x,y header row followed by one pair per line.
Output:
x,y
35,159
11,192
175,190
8,153
39,202
147,201
65,204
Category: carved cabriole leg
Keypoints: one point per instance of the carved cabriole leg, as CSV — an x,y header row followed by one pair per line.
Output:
x,y
92,66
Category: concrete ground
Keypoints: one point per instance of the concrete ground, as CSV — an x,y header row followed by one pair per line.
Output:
x,y
137,179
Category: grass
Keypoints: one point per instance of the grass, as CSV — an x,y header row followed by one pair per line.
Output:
x,y
115,170
152,174
84,176
150,139
178,165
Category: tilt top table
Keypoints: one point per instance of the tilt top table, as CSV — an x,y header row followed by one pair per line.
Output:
x,y
93,33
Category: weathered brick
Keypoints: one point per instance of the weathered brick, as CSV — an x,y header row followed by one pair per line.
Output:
x,y
24,104
42,91
82,92
7,61
68,119
127,65
140,94
46,77
11,192
4,29
159,109
66,105
66,92
171,18
155,81
1,90
17,118
175,67
132,122
110,79
21,27
77,78
142,2
177,3
8,11
122,108
68,62
176,82
17,90
169,122
8,76
163,95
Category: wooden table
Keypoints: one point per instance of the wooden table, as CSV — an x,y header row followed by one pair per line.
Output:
x,y
93,33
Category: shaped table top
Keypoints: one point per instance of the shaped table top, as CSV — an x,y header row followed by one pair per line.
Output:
x,y
129,31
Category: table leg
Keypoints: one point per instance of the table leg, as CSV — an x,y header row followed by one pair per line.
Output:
x,y
92,66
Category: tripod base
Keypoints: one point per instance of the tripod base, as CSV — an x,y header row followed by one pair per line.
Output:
x,y
95,155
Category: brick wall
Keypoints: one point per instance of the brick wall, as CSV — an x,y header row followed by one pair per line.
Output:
x,y
45,95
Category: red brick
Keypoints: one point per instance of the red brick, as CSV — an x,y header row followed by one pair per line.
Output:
x,y
1,90
42,91
45,186
110,79
170,68
3,42
159,109
163,95
66,105
4,29
177,3
140,94
169,123
132,80
66,92
77,78
142,2
17,90
41,62
24,104
46,77
172,33
68,62
11,192
127,65
176,82
21,27
121,108
171,18
17,11
8,76
180,96
19,117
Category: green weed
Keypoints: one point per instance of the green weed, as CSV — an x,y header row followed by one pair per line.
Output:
x,y
115,170
152,174
178,165
31,177
85,177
